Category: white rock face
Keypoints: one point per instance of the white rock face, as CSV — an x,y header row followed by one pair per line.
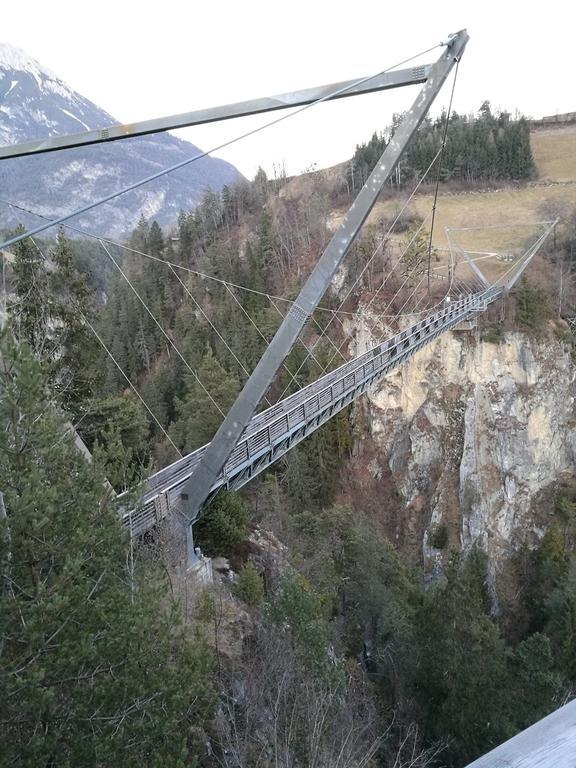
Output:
x,y
472,431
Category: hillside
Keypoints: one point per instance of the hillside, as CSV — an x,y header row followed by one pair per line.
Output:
x,y
516,206
554,192
403,579
554,150
35,103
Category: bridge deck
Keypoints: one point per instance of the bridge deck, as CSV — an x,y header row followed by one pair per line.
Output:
x,y
549,743
276,430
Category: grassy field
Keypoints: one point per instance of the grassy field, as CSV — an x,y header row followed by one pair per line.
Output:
x,y
506,220
554,151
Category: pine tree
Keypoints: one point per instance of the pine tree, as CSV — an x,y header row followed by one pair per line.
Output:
x,y
92,671
140,237
250,586
223,526
155,239
463,677
488,146
76,353
119,417
260,184
29,312
184,236
197,416
261,255
297,606
535,681
532,307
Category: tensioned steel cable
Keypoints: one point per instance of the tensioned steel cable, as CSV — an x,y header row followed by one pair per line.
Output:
x,y
404,252
527,255
439,170
380,244
542,223
461,287
321,332
411,271
189,270
464,288
131,385
216,331
166,336
200,155
399,259
415,288
256,327
174,266
436,157
382,241
116,363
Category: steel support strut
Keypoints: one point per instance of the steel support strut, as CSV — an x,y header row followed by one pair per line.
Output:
x,y
197,489
381,82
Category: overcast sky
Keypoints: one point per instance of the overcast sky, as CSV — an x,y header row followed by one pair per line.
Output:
x,y
138,61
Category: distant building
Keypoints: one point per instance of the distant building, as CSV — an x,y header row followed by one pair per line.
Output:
x,y
552,120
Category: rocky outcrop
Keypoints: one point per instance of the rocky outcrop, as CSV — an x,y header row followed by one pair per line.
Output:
x,y
470,432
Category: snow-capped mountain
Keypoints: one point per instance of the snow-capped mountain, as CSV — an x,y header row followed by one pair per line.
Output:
x,y
34,103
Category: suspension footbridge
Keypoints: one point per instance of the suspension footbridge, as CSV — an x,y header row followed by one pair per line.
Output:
x,y
248,442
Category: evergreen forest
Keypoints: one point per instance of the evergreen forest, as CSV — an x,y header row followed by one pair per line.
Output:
x,y
339,650
484,148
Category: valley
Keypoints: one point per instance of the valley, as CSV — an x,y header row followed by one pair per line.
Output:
x,y
396,590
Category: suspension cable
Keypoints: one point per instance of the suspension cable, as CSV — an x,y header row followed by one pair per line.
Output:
x,y
310,351
174,266
161,260
382,241
168,339
255,325
211,324
117,364
398,260
200,155
416,286
439,169
404,252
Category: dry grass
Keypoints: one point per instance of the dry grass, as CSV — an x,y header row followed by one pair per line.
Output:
x,y
554,151
516,211
517,208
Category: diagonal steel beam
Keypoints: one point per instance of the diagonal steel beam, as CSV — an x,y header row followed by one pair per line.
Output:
x,y
471,263
275,431
381,82
197,489
529,255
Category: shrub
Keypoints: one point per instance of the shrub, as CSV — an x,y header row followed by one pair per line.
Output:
x,y
532,306
250,586
439,536
493,335
223,525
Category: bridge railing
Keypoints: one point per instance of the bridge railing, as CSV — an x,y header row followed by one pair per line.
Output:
x,y
271,426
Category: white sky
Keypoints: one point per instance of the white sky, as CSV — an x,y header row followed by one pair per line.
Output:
x,y
139,63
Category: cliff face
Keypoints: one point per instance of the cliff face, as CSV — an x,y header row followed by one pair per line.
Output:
x,y
469,432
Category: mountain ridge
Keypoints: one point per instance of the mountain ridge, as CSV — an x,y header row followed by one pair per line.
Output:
x,y
35,103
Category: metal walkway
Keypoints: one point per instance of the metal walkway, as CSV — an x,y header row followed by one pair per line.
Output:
x,y
276,430
549,743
